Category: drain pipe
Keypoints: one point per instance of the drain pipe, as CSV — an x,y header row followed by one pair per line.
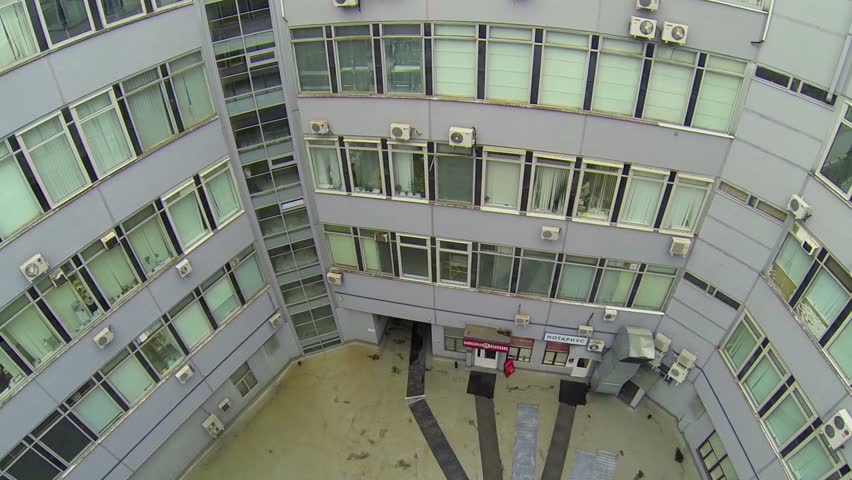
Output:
x,y
841,64
766,25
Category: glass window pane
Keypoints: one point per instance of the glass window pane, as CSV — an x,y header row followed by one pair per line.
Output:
x,y
455,67
642,200
563,75
595,196
403,64
223,195
342,250
17,200
785,420
414,263
249,277
186,217
326,168
113,274
115,10
222,299
356,66
98,409
73,304
31,336
193,96
455,179
313,67
652,292
103,133
502,183
409,174
716,100
130,379
54,160
192,325
823,302
16,40
684,207
615,287
495,272
453,267
64,19
10,373
149,243
840,350
668,92
66,439
740,345
550,190
162,351
762,380
811,462
535,277
837,167
508,71
576,282
790,267
377,256
366,171
616,84
150,115
33,466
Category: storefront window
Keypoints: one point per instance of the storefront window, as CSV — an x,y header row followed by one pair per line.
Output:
x,y
556,354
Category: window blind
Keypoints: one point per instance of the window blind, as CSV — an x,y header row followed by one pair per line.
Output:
x,y
54,159
550,190
455,68
193,95
104,133
326,168
192,325
502,180
563,71
508,71
642,199
669,88
19,204
762,380
366,171
684,207
615,287
16,36
616,84
98,409
148,110
716,100
740,345
223,195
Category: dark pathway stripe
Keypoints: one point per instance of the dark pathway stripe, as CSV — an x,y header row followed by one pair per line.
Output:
x,y
559,443
420,339
438,443
489,449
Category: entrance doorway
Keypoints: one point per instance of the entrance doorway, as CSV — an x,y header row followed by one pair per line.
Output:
x,y
485,358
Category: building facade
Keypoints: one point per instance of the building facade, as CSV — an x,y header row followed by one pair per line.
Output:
x,y
522,167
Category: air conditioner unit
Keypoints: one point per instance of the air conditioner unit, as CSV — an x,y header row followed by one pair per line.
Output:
x,y
319,127
334,278
522,319
550,233
275,320
595,345
104,337
651,5
58,278
345,3
610,314
838,430
686,359
799,207
184,268
680,246
400,131
662,343
213,425
184,374
383,237
225,405
109,240
585,331
234,262
462,137
677,373
807,242
34,267
674,33
643,27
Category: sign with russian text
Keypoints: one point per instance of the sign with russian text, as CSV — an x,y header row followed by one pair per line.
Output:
x,y
497,347
569,339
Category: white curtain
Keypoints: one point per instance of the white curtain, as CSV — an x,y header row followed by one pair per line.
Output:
x,y
192,325
668,92
98,409
501,183
54,160
366,173
615,287
455,68
193,96
616,84
104,133
31,336
563,74
326,168
684,208
16,37
785,420
550,189
130,379
249,277
223,195
221,299
827,296
19,205
112,273
508,74
408,174
716,101
186,217
596,195
150,245
640,204
150,115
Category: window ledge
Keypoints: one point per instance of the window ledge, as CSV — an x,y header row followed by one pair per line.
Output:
x,y
739,6
702,131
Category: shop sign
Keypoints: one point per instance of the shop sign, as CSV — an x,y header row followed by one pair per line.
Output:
x,y
497,347
569,339
508,367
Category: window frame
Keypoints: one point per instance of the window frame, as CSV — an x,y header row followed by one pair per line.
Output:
x,y
601,50
385,73
322,41
27,303
472,38
179,193
548,160
547,44
530,42
469,156
172,73
325,143
807,411
830,453
78,121
209,174
520,161
400,244
777,364
708,188
369,145
167,105
553,262
339,71
441,250
330,230
391,250
594,264
106,24
618,173
43,22
101,250
756,332
422,151
611,265
841,121
847,323
664,181
671,61
32,36
495,253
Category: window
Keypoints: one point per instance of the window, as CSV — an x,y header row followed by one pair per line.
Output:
x,y
507,75
642,200
619,68
94,406
185,213
764,378
563,69
616,283
111,270
365,167
752,201
717,96
520,349
455,174
596,194
103,131
715,459
536,272
126,374
249,277
575,281
315,327
70,299
148,239
27,331
220,296
146,100
788,417
62,437
454,262
495,267
837,166
190,322
355,58
654,287
409,171
741,343
551,183
51,152
219,187
19,204
311,60
376,251
403,47
341,246
825,298
16,40
117,10
64,19
502,179
244,379
839,349
10,374
670,84
790,266
160,348
686,203
454,339
813,459
414,257
191,89
556,354
454,52
325,164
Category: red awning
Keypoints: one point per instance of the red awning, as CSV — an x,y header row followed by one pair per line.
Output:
x,y
522,342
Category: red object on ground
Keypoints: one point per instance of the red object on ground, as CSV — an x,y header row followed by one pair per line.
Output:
x,y
509,367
